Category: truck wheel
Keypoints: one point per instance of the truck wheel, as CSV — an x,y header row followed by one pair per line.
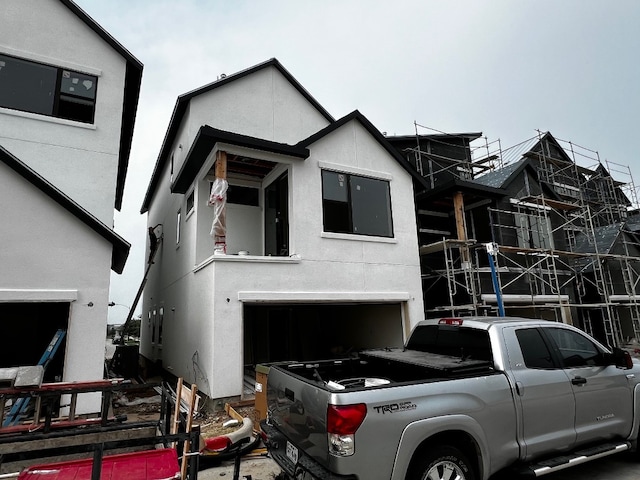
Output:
x,y
442,463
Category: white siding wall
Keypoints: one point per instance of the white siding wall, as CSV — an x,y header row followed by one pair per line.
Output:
x,y
80,159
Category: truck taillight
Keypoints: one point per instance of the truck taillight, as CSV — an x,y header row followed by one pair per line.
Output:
x,y
450,321
345,419
628,359
342,423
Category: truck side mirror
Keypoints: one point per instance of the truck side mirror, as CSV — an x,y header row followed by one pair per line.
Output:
x,y
621,358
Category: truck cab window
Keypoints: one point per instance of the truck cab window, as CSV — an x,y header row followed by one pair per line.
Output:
x,y
534,349
454,341
575,349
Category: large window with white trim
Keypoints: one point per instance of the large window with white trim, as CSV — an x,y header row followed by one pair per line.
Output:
x,y
356,204
47,90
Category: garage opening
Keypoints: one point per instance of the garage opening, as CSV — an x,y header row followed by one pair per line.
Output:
x,y
27,330
274,333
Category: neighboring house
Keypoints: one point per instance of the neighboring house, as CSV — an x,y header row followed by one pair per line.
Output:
x,y
321,240
68,101
565,249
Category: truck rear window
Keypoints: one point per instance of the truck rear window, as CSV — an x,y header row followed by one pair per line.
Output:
x,y
455,341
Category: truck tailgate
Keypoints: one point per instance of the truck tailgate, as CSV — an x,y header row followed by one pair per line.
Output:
x,y
298,409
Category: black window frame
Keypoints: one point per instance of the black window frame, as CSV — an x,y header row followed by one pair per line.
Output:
x,y
65,104
190,202
338,215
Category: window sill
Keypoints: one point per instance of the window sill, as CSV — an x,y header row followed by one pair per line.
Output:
x,y
247,259
358,238
47,118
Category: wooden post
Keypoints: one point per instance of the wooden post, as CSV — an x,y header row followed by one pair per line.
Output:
x,y
221,164
176,411
461,225
458,211
187,442
220,241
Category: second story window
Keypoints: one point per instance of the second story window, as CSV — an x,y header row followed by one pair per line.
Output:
x,y
38,88
356,204
190,202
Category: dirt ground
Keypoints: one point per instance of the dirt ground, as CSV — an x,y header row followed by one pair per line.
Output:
x,y
256,465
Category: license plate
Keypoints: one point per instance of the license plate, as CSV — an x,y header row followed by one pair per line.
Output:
x,y
292,453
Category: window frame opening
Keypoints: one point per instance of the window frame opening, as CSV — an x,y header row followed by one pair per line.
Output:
x,y
43,89
356,204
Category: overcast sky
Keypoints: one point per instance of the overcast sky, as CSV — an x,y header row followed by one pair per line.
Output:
x,y
502,67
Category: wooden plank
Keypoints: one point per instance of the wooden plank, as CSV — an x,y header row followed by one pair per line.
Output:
x,y
461,224
188,396
232,413
76,439
187,443
458,210
175,421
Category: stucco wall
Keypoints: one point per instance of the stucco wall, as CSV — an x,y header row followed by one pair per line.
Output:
x,y
205,294
48,257
80,159
205,303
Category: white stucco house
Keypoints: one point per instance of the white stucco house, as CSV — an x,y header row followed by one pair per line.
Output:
x,y
68,100
321,243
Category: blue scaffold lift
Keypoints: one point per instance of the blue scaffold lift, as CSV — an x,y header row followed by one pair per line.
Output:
x,y
20,407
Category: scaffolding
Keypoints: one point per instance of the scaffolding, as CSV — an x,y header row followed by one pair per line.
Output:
x,y
563,251
451,159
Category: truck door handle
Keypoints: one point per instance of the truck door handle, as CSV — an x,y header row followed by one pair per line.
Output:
x,y
579,381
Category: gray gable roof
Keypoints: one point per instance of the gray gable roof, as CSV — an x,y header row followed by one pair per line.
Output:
x,y
121,247
133,81
633,223
499,178
605,237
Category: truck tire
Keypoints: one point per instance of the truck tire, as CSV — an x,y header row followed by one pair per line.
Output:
x,y
442,463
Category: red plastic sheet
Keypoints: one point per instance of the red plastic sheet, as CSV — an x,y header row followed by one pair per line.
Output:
x,y
159,464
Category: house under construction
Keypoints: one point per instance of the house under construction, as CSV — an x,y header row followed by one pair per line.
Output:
x,y
542,229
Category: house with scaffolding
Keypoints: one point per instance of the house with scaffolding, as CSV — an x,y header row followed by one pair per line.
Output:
x,y
531,223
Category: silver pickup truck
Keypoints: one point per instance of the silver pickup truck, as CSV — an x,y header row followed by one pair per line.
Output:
x,y
464,399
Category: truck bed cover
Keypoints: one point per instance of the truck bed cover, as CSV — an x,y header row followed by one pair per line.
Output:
x,y
434,361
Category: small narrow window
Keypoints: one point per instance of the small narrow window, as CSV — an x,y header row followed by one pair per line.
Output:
x,y
190,202
160,322
171,170
153,327
178,222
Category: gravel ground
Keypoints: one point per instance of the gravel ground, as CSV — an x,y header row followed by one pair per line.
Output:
x,y
260,468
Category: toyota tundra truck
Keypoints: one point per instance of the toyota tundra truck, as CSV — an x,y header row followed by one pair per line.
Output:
x,y
463,399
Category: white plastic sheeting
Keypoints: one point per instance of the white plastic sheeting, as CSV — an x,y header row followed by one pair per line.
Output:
x,y
218,200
